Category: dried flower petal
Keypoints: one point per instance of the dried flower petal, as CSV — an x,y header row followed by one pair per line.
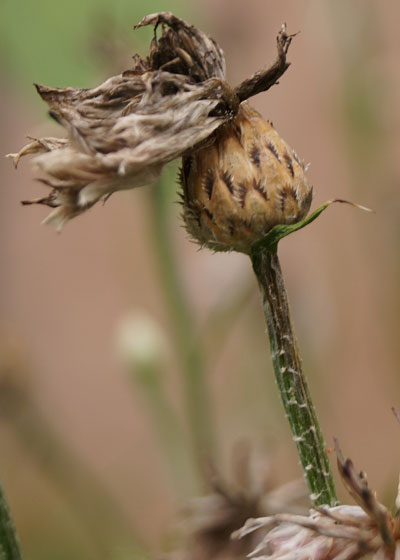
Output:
x,y
337,533
111,148
121,133
264,79
184,49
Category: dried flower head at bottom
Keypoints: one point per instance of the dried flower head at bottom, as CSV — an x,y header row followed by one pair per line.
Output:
x,y
344,532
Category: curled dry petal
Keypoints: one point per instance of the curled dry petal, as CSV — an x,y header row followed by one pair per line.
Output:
x,y
357,486
184,49
264,79
110,147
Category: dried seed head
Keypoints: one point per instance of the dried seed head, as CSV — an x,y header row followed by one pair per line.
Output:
x,y
247,181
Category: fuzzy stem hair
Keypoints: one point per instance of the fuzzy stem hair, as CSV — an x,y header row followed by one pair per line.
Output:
x,y
291,380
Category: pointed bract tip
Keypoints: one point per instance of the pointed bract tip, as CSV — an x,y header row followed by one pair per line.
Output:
x,y
354,204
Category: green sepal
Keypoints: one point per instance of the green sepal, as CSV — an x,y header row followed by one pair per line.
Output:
x,y
271,240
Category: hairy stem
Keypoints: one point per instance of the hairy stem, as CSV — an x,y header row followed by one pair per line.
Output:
x,y
9,545
291,380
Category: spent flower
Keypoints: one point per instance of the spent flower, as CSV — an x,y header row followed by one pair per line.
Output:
x,y
344,532
239,177
251,491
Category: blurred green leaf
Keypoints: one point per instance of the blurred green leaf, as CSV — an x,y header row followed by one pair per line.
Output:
x,y
48,42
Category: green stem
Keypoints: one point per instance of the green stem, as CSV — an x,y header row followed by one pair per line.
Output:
x,y
9,545
168,428
190,354
100,516
291,380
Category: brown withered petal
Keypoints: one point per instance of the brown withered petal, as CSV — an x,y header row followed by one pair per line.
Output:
x,y
337,533
167,105
184,49
112,148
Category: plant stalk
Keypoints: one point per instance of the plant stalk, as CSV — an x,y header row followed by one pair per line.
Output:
x,y
196,394
168,428
291,380
9,545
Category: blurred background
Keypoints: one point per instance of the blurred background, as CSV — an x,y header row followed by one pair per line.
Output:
x,y
106,405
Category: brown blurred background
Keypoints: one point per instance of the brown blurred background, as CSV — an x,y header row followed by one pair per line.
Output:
x,y
81,451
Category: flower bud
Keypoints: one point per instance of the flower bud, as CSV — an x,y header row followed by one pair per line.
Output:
x,y
141,345
244,183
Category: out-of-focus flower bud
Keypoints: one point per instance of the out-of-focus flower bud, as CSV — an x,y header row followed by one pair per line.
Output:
x,y
250,491
247,181
141,344
344,532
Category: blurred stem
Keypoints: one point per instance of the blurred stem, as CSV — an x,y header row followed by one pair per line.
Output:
x,y
291,380
9,545
166,425
192,364
101,516
221,321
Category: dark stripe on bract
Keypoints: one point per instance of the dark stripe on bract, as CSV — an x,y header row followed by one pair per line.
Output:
x,y
208,213
259,188
289,163
255,156
283,194
186,167
209,183
273,149
241,192
227,179
194,213
231,227
291,191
